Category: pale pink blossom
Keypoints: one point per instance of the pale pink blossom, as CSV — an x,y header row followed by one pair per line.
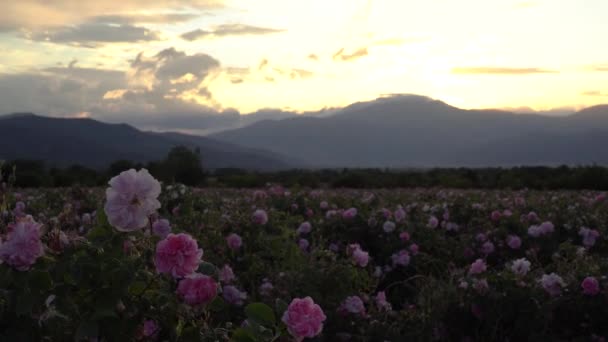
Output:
x,y
399,214
487,248
401,258
161,228
520,267
414,249
360,257
382,303
177,255
304,228
304,318
433,222
233,296
353,305
226,275
589,236
131,199
478,267
552,283
23,246
513,241
266,288
303,244
388,226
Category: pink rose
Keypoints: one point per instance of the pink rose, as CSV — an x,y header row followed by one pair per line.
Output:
x,y
478,267
496,215
591,286
360,257
233,296
150,328
234,241
177,255
353,305
349,214
399,214
197,289
161,228
433,222
552,283
304,228
513,241
414,249
23,246
304,318
401,258
131,199
226,274
382,303
260,217
303,244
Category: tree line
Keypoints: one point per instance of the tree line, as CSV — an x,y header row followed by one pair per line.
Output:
x,y
183,165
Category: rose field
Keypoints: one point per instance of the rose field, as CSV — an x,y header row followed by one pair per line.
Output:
x,y
145,261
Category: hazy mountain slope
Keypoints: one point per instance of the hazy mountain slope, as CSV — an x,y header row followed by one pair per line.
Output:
x,y
406,131
92,143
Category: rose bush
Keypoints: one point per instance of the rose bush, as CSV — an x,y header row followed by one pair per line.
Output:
x,y
127,264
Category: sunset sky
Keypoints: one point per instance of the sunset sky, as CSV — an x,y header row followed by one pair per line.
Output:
x,y
119,59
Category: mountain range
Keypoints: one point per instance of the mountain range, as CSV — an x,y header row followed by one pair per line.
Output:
x,y
63,142
397,131
415,131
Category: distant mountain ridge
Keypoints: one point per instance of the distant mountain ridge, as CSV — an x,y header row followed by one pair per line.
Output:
x,y
416,131
63,142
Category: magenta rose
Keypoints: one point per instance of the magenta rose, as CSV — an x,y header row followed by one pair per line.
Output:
x,y
177,255
197,289
304,318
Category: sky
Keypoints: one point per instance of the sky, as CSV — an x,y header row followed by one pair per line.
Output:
x,y
154,62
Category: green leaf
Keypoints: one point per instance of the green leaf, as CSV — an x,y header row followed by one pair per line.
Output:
x,y
280,305
99,233
86,329
40,281
137,288
260,313
25,303
104,313
207,268
217,305
242,335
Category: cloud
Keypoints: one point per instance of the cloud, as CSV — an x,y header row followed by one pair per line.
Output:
x,y
166,90
90,35
601,68
158,18
594,93
228,30
57,91
341,55
36,14
499,71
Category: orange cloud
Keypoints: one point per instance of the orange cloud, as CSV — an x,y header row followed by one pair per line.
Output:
x,y
33,14
342,56
499,71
